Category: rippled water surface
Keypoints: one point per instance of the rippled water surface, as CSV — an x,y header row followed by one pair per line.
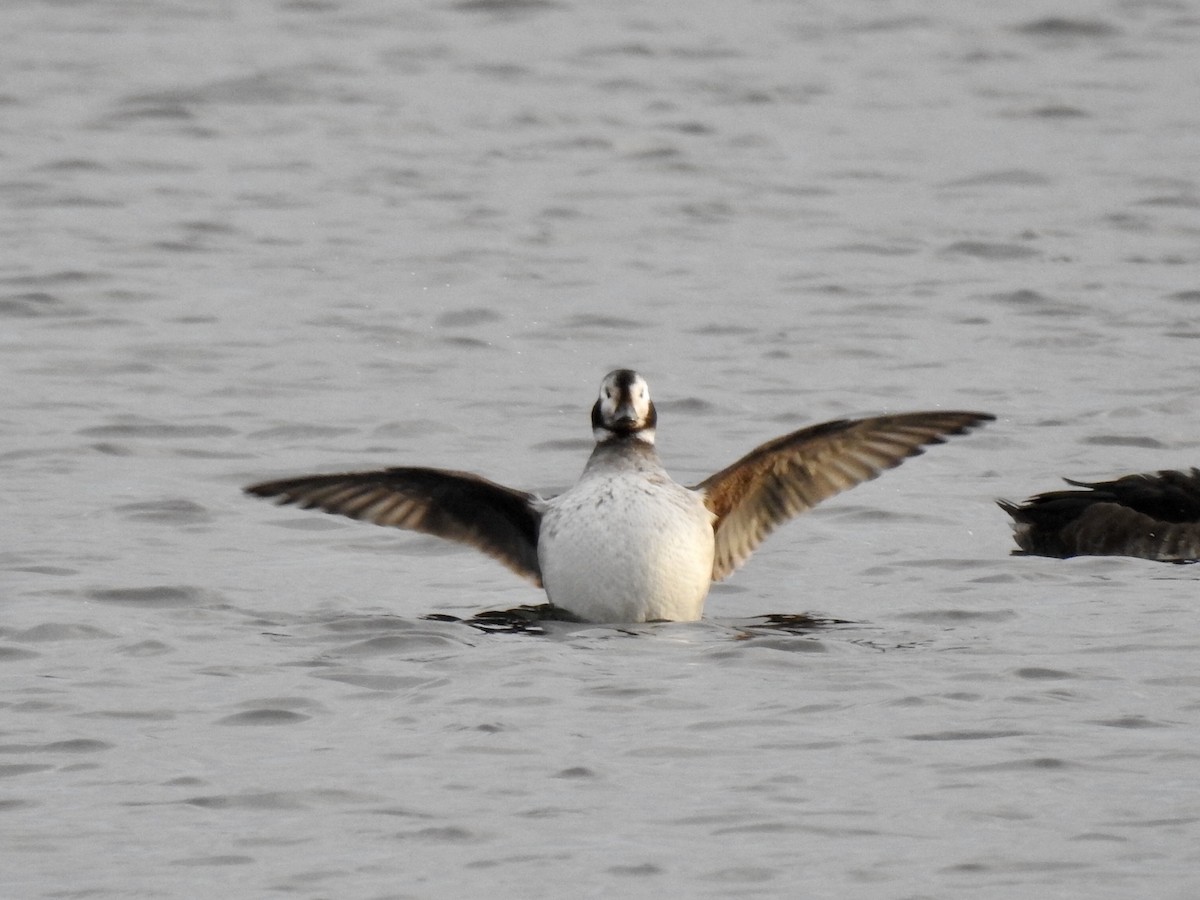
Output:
x,y
246,240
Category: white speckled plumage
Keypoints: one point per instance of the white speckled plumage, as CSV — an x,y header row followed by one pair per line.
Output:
x,y
660,564
627,543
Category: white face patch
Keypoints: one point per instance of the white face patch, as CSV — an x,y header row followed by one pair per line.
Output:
x,y
624,401
624,407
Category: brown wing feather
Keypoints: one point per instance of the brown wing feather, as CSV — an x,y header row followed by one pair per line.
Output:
x,y
458,506
794,473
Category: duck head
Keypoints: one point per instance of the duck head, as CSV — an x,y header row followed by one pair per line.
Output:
x,y
624,408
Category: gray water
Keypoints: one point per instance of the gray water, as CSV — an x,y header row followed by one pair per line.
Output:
x,y
248,240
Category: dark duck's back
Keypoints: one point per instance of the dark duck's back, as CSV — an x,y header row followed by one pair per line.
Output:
x,y
1152,516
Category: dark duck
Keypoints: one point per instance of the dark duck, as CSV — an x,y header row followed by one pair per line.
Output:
x,y
1151,516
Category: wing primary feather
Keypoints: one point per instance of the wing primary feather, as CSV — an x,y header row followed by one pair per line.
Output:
x,y
793,473
499,521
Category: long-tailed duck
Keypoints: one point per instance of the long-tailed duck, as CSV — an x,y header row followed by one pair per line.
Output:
x,y
1153,516
626,543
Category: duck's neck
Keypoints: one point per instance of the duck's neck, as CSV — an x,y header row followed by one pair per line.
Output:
x,y
629,451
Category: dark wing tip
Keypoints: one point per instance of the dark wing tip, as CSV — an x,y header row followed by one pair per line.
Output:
x,y
282,491
948,423
498,521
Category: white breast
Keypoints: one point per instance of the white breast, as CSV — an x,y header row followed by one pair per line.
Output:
x,y
622,547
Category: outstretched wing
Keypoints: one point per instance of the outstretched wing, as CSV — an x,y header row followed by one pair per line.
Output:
x,y
794,473
459,506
